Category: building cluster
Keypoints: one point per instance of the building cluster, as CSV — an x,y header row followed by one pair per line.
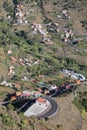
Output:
x,y
20,14
68,35
11,70
38,28
66,13
25,94
28,62
24,61
9,84
48,90
53,90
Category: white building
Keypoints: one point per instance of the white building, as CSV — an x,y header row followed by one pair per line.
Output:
x,y
37,108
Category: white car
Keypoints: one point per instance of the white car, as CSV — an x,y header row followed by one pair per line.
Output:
x,y
78,76
74,75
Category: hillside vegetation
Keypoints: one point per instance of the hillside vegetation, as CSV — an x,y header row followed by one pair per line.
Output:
x,y
47,55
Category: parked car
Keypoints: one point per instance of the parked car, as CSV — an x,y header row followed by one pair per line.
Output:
x,y
74,75
78,76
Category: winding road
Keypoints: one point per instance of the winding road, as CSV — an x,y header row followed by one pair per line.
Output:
x,y
52,111
54,106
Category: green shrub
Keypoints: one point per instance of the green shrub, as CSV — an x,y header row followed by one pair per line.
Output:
x,y
9,8
81,101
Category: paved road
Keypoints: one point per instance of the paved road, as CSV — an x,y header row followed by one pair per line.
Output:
x,y
26,105
52,111
3,103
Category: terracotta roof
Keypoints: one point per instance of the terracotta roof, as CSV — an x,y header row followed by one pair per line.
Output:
x,y
18,93
13,58
78,81
13,98
41,100
17,85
